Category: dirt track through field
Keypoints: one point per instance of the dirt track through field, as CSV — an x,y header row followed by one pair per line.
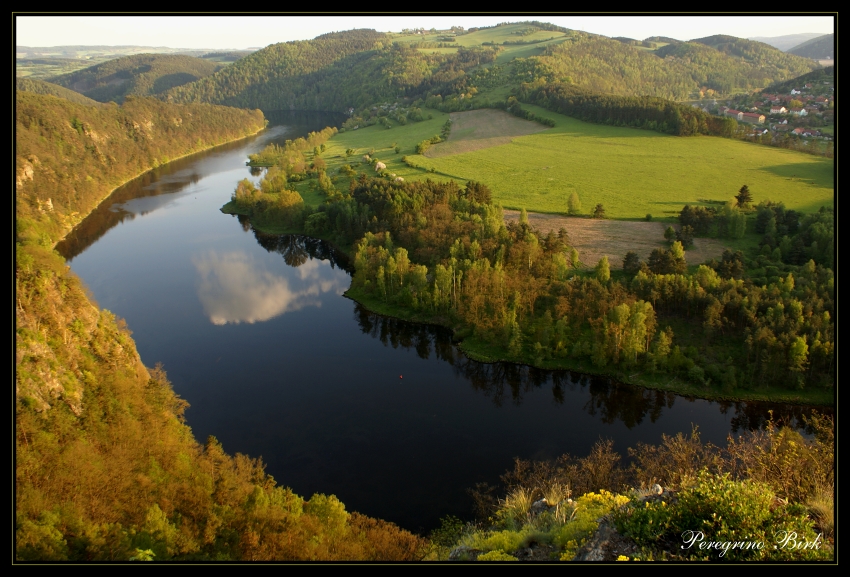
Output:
x,y
594,238
478,129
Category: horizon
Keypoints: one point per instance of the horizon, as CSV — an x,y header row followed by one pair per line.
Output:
x,y
217,32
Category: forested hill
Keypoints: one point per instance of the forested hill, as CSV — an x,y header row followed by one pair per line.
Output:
x,y
821,75
819,48
361,67
675,71
41,87
139,75
757,53
310,74
69,156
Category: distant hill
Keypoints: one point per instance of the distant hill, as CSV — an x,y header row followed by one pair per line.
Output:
x,y
39,87
139,75
666,39
331,72
788,41
363,67
816,76
819,48
675,71
728,64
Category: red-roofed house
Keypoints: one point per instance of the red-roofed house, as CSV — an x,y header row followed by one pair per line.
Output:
x,y
734,113
777,109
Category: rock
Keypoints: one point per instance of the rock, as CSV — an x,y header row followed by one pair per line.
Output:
x,y
464,553
606,544
540,506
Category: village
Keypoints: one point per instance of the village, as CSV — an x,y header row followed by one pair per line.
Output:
x,y
807,112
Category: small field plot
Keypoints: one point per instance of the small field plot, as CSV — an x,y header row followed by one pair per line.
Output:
x,y
349,148
634,172
478,129
594,238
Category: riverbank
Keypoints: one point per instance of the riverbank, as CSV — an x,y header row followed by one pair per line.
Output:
x,y
485,352
74,219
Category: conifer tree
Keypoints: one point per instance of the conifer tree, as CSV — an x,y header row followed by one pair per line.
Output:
x,y
744,197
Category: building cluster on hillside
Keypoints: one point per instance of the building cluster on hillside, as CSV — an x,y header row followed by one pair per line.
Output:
x,y
768,112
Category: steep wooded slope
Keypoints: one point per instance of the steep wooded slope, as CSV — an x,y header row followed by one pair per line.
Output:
x,y
41,87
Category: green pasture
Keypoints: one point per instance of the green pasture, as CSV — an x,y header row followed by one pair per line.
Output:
x,y
497,35
635,172
510,52
381,139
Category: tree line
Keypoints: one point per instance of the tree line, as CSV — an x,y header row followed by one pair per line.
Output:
x,y
443,253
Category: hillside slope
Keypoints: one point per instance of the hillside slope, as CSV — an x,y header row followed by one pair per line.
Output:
x,y
786,41
820,48
139,75
41,87
363,67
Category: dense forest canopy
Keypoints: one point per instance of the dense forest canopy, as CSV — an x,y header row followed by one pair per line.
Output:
x,y
41,87
139,75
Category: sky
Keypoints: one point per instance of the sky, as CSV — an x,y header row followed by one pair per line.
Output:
x,y
252,31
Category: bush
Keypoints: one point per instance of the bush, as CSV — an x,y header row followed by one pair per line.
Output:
x,y
496,556
721,519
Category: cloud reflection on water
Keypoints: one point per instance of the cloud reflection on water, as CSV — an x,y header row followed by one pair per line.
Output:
x,y
234,288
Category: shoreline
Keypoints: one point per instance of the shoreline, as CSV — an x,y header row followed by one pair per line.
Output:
x,y
81,217
479,352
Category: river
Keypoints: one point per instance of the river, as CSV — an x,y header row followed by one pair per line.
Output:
x,y
255,333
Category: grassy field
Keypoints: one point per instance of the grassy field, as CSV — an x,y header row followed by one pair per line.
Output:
x,y
477,129
631,172
595,238
636,172
540,39
383,142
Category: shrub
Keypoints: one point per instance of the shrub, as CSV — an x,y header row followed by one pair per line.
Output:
x,y
723,519
496,556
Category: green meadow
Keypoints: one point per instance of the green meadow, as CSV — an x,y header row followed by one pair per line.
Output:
x,y
536,41
382,142
631,172
636,172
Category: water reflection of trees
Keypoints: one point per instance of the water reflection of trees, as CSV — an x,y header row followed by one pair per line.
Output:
x,y
166,179
755,415
296,249
609,401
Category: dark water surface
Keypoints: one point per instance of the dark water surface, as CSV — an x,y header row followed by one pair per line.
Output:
x,y
254,332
